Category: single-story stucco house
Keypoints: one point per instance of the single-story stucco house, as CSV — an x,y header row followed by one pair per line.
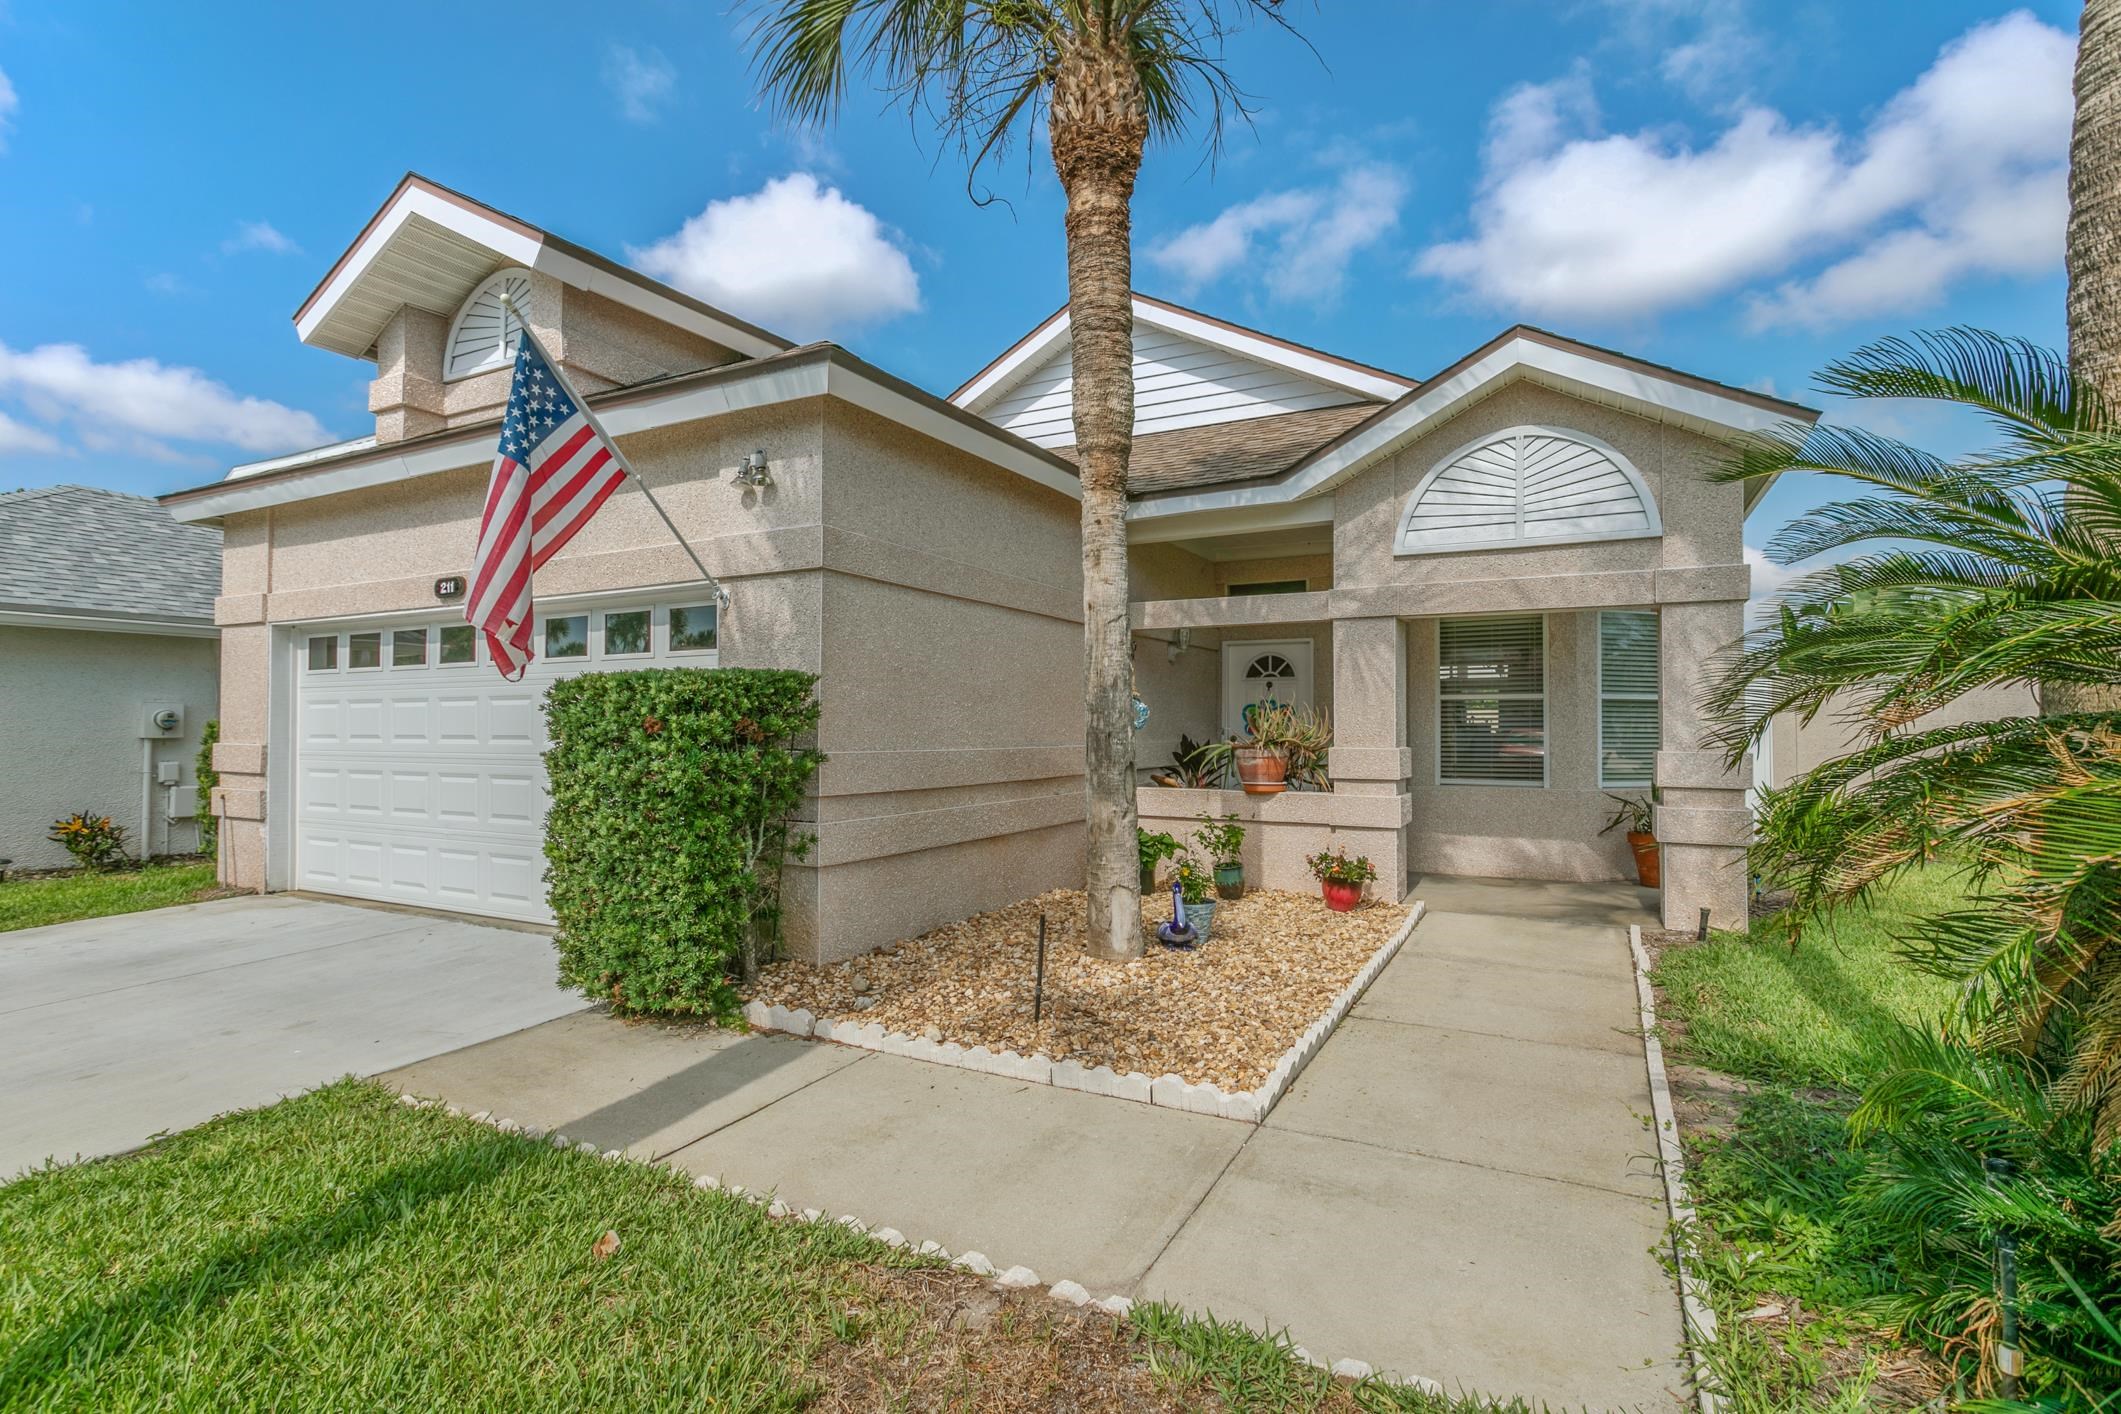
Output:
x,y
1503,583
108,668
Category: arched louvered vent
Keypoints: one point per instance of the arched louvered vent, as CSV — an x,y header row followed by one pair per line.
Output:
x,y
484,335
1528,485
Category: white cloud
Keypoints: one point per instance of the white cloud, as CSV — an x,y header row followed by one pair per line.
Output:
x,y
151,399
1299,241
259,235
641,81
1708,49
10,104
1959,175
21,437
795,255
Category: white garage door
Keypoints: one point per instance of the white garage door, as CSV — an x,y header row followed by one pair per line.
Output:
x,y
418,776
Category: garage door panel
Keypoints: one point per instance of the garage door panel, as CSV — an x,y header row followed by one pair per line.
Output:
x,y
457,720
363,721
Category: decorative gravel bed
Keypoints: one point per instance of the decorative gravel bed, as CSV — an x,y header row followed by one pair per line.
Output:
x,y
1223,1014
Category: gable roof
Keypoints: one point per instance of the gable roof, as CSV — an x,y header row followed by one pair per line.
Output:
x,y
430,246
1190,368
76,552
1233,451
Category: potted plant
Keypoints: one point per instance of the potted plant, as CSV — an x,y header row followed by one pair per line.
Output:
x,y
1635,814
1196,887
1154,848
1340,878
1304,736
1261,761
1223,841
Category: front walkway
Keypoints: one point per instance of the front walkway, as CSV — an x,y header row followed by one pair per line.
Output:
x,y
1456,1187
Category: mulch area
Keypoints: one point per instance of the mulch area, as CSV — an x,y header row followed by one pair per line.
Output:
x,y
1222,1014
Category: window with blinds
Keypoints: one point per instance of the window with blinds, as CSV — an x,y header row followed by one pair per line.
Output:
x,y
1491,686
1628,664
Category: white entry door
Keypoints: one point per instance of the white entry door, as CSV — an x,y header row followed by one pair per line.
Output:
x,y
419,772
1276,671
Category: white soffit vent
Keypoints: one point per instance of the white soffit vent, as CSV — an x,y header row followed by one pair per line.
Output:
x,y
1527,485
485,332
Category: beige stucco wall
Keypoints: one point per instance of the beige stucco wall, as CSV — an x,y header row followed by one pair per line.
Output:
x,y
1800,746
71,705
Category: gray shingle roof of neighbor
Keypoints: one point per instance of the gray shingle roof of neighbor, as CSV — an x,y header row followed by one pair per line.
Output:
x,y
83,550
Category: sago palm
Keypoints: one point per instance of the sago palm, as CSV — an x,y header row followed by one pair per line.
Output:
x,y
1968,574
1107,76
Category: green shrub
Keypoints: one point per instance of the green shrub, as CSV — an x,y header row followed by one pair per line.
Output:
x,y
95,841
672,790
207,777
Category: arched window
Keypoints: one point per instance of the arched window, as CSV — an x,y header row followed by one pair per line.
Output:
x,y
1527,486
485,333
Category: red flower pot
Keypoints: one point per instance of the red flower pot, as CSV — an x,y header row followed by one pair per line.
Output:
x,y
1341,898
1261,772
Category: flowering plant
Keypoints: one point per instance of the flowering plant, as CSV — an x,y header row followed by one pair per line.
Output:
x,y
93,840
1337,868
1194,881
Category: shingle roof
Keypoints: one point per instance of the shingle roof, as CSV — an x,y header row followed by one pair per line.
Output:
x,y
82,550
1234,451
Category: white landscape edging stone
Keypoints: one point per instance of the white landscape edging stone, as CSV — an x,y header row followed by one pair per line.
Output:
x,y
1165,1091
1698,1320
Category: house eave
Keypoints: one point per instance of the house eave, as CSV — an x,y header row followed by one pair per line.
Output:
x,y
101,621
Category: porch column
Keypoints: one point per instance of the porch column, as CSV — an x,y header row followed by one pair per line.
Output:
x,y
1702,819
1370,754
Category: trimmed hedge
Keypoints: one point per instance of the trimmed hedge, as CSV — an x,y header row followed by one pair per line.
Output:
x,y
672,789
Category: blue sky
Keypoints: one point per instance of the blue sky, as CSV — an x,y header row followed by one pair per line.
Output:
x,y
1741,188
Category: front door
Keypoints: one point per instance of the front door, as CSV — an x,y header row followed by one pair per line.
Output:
x,y
1276,672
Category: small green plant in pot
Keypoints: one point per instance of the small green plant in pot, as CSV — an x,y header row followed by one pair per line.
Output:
x,y
1155,849
1340,878
1222,839
1635,814
1196,885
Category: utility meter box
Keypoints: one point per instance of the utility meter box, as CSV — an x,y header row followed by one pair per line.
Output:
x,y
161,722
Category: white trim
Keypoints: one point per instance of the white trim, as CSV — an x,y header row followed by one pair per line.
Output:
x,y
1543,696
302,458
108,623
1043,342
1518,539
1667,399
739,390
502,353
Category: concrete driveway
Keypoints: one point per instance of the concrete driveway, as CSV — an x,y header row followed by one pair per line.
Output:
x,y
1457,1187
113,1030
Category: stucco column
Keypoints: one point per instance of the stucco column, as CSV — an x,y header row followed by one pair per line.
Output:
x,y
1702,820
406,396
1370,756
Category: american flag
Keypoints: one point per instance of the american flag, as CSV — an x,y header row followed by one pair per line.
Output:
x,y
552,471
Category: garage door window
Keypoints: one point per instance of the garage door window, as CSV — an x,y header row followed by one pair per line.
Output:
x,y
567,637
324,653
458,645
408,648
364,650
692,628
626,634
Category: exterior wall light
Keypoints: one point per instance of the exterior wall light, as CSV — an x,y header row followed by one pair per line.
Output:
x,y
751,471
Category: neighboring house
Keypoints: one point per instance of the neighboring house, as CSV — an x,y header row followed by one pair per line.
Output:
x,y
1794,746
1503,582
106,626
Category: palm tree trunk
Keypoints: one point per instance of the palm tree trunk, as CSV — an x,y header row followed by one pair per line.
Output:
x,y
2093,254
1098,126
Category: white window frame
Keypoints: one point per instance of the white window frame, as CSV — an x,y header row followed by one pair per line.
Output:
x,y
1516,539
1655,697
1546,744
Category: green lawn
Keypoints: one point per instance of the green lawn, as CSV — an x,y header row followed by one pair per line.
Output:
x,y
1752,1006
32,903
343,1251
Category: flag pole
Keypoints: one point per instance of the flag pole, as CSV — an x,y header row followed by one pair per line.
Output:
x,y
721,595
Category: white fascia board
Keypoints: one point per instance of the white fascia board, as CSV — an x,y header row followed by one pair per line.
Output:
x,y
1641,392
1246,519
1026,356
512,246
108,623
766,387
313,454
597,280
1324,370
992,445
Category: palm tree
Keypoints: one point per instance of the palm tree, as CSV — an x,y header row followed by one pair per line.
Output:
x,y
1972,575
1108,75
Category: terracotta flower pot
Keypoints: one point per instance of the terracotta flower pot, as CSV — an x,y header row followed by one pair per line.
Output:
x,y
1340,897
1261,772
1649,865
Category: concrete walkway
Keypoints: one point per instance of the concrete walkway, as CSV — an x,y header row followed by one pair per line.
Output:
x,y
113,1030
1456,1187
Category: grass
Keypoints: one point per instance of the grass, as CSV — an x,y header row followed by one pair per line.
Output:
x,y
32,903
342,1251
1816,1014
